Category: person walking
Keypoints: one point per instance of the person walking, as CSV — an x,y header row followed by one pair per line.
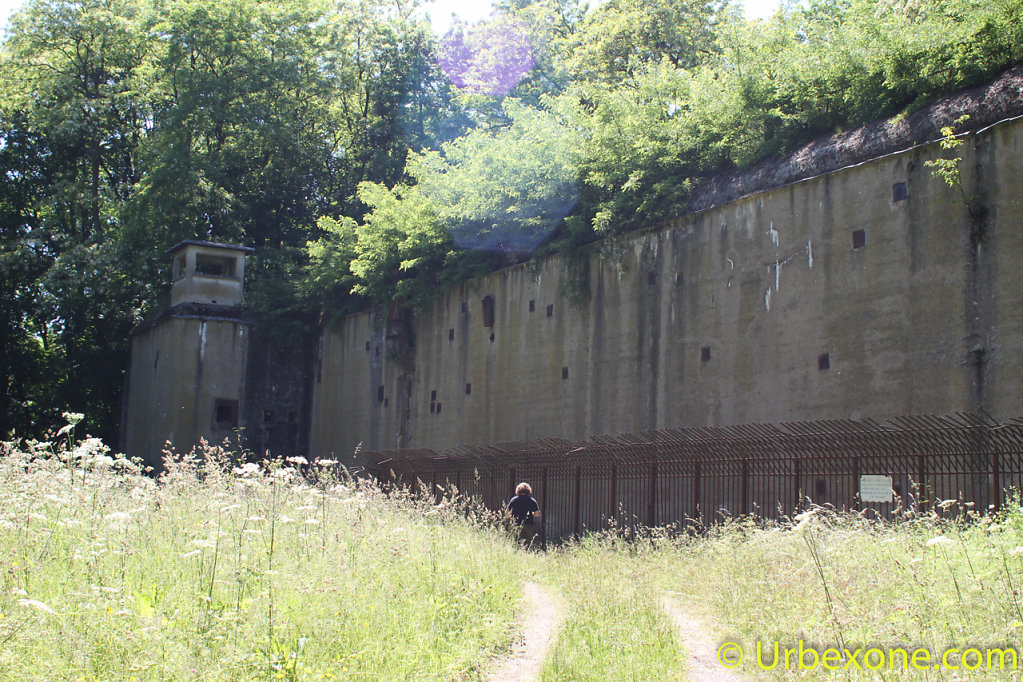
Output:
x,y
525,512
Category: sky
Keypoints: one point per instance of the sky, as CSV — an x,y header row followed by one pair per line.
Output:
x,y
469,10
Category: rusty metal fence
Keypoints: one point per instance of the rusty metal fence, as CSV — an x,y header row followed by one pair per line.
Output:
x,y
698,476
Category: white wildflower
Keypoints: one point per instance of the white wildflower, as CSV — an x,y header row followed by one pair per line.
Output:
x,y
326,462
284,474
311,521
297,460
36,604
1016,550
247,469
89,448
940,540
945,504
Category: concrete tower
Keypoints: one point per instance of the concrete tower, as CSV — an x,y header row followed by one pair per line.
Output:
x,y
187,373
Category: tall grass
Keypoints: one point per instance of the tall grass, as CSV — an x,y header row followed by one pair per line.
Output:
x,y
839,580
616,629
221,570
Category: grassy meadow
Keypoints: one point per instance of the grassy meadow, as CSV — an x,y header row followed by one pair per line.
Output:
x,y
221,569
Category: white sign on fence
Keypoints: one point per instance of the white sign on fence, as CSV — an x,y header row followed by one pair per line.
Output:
x,y
876,489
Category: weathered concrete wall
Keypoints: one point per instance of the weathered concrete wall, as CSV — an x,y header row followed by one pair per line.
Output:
x,y
278,387
831,297
181,365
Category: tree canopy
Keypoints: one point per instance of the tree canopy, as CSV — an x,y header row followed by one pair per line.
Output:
x,y
370,161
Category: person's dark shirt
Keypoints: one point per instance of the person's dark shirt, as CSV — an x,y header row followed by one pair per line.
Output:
x,y
522,508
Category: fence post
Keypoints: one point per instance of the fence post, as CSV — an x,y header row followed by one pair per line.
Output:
x,y
614,493
696,495
745,487
543,509
652,508
797,470
857,472
578,498
996,480
921,487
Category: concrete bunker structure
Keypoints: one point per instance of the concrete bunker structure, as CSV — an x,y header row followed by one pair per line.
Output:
x,y
208,273
187,373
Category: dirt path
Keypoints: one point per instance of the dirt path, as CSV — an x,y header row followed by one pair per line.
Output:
x,y
544,613
703,665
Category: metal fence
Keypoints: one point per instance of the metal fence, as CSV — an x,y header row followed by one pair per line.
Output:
x,y
698,476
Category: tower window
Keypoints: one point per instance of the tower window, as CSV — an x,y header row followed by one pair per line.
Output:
x,y
215,266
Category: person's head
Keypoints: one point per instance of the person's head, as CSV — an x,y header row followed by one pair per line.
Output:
x,y
523,489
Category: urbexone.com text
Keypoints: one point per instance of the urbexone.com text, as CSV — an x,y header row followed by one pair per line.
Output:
x,y
772,655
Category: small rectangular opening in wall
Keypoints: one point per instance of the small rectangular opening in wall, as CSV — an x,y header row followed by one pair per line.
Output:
x,y
532,306
451,335
899,192
367,345
465,306
468,389
380,394
225,414
215,266
438,408
433,396
550,310
564,373
705,354
859,239
488,311
386,401
824,361
651,277
678,279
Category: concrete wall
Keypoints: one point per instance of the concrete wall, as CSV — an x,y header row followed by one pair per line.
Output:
x,y
831,297
180,366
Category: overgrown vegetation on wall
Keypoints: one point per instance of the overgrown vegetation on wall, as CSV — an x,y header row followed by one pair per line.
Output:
x,y
368,160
